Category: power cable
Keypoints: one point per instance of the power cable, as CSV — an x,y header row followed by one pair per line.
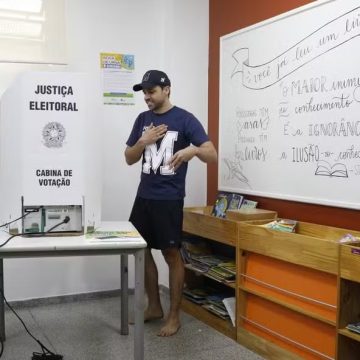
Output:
x,y
46,354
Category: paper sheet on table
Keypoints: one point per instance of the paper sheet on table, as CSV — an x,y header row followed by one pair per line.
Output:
x,y
113,236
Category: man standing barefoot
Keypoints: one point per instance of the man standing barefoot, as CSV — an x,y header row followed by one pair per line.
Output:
x,y
166,138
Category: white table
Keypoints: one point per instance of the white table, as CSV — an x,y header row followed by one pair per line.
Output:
x,y
54,246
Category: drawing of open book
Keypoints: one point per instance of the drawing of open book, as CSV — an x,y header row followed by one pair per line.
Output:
x,y
326,169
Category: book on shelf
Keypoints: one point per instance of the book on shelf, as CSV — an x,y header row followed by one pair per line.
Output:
x,y
197,296
190,248
221,274
235,201
226,201
285,225
354,327
230,266
203,263
216,310
349,238
214,304
197,256
210,299
248,204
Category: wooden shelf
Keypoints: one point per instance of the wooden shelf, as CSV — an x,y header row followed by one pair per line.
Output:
x,y
223,326
348,348
349,334
263,347
200,273
285,304
349,300
199,221
288,282
293,300
313,246
350,262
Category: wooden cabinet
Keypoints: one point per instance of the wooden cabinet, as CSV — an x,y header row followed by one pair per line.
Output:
x,y
288,291
288,303
349,300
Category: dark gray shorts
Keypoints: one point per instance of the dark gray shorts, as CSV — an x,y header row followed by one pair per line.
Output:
x,y
158,221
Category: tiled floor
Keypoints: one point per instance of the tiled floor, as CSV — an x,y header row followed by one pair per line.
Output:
x,y
88,329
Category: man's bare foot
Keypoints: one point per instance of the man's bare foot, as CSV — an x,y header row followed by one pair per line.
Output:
x,y
153,314
150,315
171,327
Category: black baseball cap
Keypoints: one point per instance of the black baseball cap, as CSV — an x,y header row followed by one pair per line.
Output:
x,y
151,79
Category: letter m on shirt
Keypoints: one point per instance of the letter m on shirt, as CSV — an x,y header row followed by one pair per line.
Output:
x,y
155,158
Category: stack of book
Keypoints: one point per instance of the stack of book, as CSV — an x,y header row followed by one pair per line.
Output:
x,y
214,304
205,263
197,296
354,327
285,225
190,250
210,299
198,257
223,272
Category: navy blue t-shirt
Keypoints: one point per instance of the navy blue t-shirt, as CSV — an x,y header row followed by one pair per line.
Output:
x,y
158,182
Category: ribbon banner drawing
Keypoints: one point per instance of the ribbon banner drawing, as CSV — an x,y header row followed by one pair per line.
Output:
x,y
328,37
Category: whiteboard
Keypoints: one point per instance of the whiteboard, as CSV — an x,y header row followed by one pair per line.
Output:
x,y
289,118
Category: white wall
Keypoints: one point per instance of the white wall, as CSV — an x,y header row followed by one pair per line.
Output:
x,y
165,34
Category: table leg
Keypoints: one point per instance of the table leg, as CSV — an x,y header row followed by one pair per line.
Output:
x,y
2,303
139,305
124,330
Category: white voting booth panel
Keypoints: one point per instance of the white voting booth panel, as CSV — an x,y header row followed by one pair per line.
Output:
x,y
48,141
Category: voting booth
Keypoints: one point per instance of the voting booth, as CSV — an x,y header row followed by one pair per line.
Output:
x,y
50,153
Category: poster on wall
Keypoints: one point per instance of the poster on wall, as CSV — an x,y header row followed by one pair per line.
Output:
x,y
118,78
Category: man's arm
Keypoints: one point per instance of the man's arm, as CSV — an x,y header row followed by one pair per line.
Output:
x,y
133,153
150,136
205,152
